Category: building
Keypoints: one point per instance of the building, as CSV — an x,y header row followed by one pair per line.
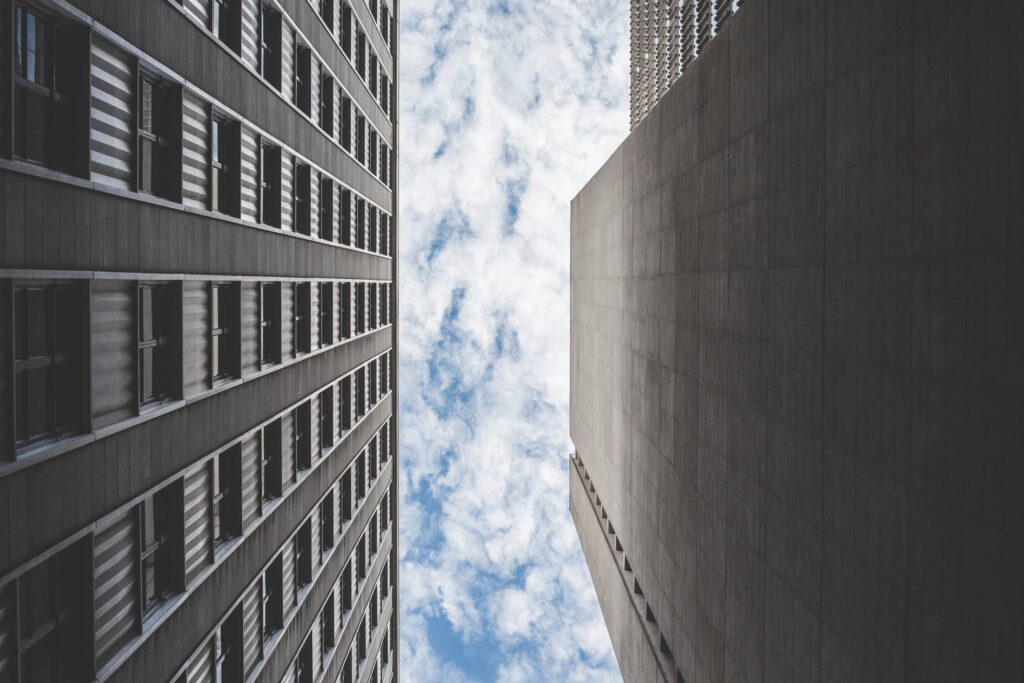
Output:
x,y
197,341
797,381
665,36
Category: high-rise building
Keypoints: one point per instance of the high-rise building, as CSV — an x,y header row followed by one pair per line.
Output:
x,y
665,37
197,340
797,381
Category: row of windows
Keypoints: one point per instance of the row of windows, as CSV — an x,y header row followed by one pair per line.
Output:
x,y
347,31
70,615
238,645
167,340
319,646
148,135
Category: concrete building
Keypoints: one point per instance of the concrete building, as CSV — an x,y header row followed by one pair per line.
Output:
x,y
797,353
197,341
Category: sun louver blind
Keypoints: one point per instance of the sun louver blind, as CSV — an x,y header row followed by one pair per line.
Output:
x,y
116,585
198,494
112,120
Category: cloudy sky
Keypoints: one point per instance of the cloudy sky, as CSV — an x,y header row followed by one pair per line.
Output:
x,y
507,108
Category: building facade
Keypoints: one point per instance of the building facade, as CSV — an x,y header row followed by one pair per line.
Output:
x,y
198,286
797,384
665,36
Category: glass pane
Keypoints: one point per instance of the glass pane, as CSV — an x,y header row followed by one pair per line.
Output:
x,y
148,522
145,313
36,323
215,191
39,662
149,579
20,323
146,106
37,403
215,304
145,164
146,391
68,403
216,356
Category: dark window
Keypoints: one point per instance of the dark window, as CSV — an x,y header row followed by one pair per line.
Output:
x,y
346,496
326,418
270,45
271,600
227,498
372,152
304,662
303,77
225,150
303,313
346,217
346,124
159,128
360,138
373,75
360,307
268,204
371,228
229,654
326,313
303,427
360,236
327,12
327,522
346,402
304,555
50,113
346,588
327,626
303,208
158,360
360,472
271,474
160,546
270,323
51,399
346,30
224,337
361,53
326,102
326,208
226,23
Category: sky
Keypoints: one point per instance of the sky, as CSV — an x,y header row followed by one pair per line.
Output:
x,y
507,109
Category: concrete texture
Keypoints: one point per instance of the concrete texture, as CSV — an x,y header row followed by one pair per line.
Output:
x,y
797,356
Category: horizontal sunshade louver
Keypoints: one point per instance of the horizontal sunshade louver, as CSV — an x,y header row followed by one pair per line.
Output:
x,y
112,131
116,597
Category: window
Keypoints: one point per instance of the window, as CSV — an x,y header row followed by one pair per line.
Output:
x,y
270,45
373,75
271,474
303,313
346,217
326,102
360,472
157,149
346,124
228,648
372,152
271,600
304,555
360,138
327,12
303,427
227,499
224,338
345,499
50,327
361,53
327,626
303,209
268,205
160,547
346,402
371,231
49,613
225,150
270,323
360,232
327,523
326,419
326,208
346,30
326,326
303,74
346,588
360,307
158,360
226,24
304,662
51,77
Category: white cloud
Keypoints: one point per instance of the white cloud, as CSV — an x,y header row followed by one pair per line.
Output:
x,y
500,102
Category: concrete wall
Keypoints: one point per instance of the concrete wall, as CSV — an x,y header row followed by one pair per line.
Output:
x,y
798,345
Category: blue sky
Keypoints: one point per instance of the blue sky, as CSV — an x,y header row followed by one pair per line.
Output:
x,y
507,108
